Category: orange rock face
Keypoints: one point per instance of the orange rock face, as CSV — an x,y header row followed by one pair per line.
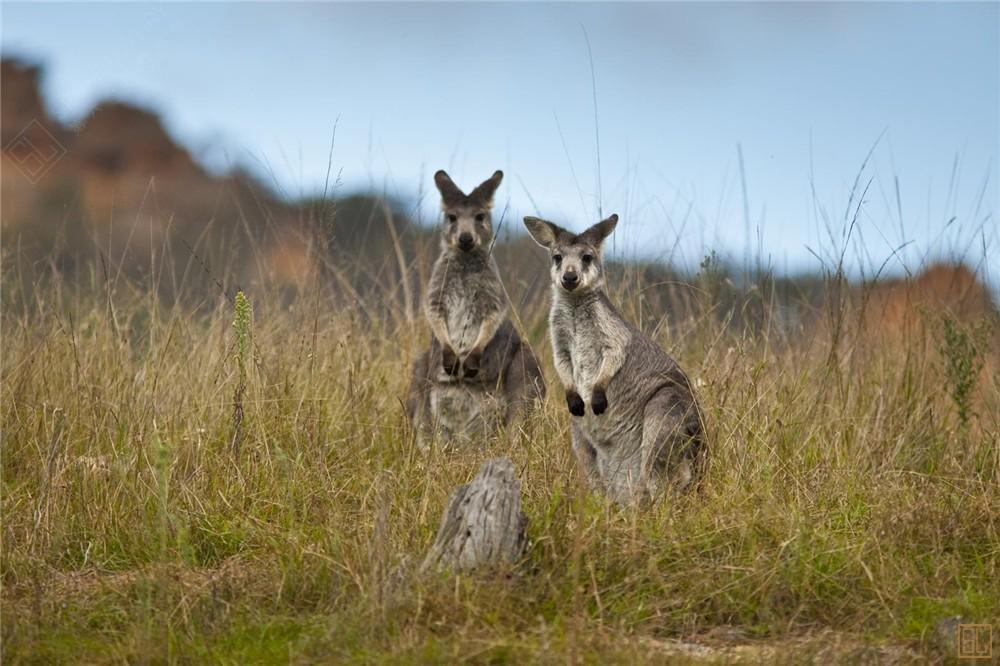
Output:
x,y
901,307
117,183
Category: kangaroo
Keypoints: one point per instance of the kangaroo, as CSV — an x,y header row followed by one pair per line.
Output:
x,y
643,432
478,373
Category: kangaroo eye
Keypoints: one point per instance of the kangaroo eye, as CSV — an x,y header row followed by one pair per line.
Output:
x,y
452,218
480,217
587,258
557,258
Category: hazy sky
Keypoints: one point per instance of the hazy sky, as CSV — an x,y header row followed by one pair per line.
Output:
x,y
805,90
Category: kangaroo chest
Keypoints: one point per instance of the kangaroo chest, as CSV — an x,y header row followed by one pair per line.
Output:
x,y
586,353
469,298
585,337
464,316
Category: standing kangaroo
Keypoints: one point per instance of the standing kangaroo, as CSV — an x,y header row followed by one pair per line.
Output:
x,y
643,430
478,373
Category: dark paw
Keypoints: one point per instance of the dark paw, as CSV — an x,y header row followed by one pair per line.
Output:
x,y
575,403
599,401
449,361
471,364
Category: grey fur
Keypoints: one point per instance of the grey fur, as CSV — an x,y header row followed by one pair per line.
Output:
x,y
477,373
636,426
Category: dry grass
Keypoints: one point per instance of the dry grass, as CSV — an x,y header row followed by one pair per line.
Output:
x,y
846,510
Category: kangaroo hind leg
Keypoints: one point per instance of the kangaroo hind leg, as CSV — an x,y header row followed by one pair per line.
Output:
x,y
671,443
586,456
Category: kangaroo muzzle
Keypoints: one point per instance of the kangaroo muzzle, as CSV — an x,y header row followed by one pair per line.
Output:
x,y
570,280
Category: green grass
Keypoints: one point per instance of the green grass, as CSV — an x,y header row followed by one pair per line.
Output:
x,y
845,504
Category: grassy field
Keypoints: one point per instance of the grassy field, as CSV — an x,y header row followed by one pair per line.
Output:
x,y
180,490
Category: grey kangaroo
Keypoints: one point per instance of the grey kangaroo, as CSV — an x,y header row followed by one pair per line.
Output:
x,y
478,372
635,425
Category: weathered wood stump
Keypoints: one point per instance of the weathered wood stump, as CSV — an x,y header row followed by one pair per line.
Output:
x,y
483,525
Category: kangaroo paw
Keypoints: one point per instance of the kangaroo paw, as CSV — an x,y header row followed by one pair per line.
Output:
x,y
575,403
449,361
598,401
471,364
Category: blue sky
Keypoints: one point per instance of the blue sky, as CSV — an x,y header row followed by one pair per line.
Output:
x,y
804,91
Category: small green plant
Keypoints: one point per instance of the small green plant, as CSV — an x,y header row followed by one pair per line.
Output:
x,y
713,287
242,322
961,350
162,467
711,278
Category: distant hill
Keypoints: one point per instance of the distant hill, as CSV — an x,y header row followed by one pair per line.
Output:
x,y
120,186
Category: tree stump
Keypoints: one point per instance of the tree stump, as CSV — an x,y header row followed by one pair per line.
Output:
x,y
483,525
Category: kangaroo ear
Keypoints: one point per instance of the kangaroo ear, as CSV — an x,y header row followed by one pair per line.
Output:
x,y
597,233
450,194
483,194
545,233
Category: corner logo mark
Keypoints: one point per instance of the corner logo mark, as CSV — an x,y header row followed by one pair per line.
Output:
x,y
34,150
974,641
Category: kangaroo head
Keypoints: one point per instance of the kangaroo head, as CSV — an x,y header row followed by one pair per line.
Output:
x,y
576,258
467,221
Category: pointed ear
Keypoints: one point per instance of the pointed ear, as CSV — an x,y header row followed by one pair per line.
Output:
x,y
450,194
597,233
483,194
545,233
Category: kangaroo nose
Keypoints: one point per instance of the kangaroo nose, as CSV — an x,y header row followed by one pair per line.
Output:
x,y
465,240
570,280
